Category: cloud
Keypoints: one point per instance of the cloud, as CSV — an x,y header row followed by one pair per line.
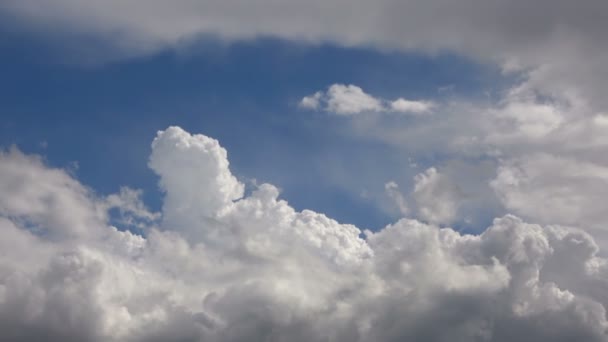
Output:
x,y
392,191
513,34
405,106
350,99
312,101
131,208
48,200
222,266
436,197
549,188
538,156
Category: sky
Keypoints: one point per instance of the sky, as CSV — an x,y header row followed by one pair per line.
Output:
x,y
197,170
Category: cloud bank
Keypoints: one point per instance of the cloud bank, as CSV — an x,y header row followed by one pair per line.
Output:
x,y
222,265
517,35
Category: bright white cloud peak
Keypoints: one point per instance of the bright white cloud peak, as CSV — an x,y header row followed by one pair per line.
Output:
x,y
223,267
350,99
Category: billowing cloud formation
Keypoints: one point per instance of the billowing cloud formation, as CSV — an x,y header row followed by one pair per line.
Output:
x,y
350,99
222,266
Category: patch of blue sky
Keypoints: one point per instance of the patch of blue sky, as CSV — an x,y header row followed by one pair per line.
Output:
x,y
245,95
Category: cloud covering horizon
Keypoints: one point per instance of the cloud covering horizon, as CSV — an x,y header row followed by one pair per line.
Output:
x,y
219,265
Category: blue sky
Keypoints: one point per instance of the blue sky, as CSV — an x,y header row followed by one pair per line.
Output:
x,y
246,95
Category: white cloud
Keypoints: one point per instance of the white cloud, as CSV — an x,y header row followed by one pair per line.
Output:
x,y
350,99
48,200
517,135
201,187
392,191
407,106
553,189
223,267
131,208
436,197
312,101
522,117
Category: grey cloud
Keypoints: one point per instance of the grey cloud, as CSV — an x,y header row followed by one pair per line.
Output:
x,y
517,34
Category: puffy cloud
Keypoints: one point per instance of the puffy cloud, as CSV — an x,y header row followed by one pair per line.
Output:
x,y
201,187
222,266
312,101
541,157
436,197
350,99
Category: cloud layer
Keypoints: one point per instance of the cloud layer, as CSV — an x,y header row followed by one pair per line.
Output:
x,y
517,35
220,265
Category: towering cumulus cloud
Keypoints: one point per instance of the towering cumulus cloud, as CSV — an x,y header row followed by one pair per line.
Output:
x,y
221,266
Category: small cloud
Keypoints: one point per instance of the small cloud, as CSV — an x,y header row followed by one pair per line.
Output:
x,y
133,212
350,99
436,197
312,101
407,106
392,191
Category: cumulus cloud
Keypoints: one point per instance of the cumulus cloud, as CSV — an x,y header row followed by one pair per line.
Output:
x,y
538,156
436,197
222,266
47,200
216,265
350,99
311,101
